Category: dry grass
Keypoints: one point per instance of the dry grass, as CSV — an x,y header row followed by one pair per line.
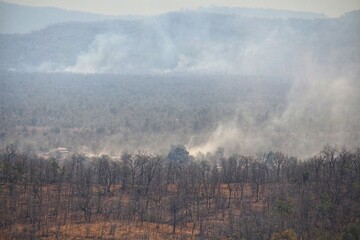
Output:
x,y
102,230
99,228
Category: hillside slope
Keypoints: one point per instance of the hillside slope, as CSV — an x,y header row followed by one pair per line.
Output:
x,y
185,42
22,19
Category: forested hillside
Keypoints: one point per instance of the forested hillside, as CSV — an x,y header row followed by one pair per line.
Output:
x,y
186,42
16,19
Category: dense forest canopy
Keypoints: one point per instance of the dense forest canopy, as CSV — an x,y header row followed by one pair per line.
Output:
x,y
111,114
114,112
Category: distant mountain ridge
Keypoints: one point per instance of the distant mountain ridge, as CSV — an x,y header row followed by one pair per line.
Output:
x,y
184,42
261,12
22,19
195,41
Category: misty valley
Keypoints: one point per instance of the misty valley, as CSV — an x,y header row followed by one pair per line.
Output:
x,y
99,114
111,114
213,123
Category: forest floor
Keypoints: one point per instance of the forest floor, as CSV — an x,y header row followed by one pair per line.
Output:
x,y
103,230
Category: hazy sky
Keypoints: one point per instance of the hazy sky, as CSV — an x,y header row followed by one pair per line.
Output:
x,y
331,8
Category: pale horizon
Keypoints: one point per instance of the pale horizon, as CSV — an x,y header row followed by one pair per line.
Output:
x,y
331,8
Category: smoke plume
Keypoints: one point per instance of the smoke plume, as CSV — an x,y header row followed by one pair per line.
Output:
x,y
322,107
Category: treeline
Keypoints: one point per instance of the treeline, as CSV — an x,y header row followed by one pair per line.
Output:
x,y
267,196
40,112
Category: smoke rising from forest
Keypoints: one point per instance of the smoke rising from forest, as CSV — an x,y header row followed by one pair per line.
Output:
x,y
180,125
322,107
213,44
118,53
317,59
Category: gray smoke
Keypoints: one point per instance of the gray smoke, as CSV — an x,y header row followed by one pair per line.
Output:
x,y
322,107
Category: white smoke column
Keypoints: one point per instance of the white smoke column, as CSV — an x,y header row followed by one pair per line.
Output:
x,y
105,54
322,108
